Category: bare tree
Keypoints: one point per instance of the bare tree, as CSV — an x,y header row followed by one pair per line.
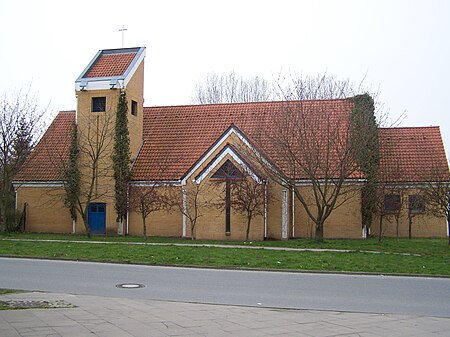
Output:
x,y
192,203
248,198
231,88
416,207
379,209
313,141
88,169
20,127
148,199
437,193
395,199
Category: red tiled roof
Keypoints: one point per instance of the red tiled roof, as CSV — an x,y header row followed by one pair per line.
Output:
x,y
109,65
44,161
411,154
177,136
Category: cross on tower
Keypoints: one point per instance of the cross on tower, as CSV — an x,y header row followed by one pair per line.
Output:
x,y
122,30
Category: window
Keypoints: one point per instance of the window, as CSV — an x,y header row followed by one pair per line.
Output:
x,y
392,203
98,104
416,204
228,171
134,108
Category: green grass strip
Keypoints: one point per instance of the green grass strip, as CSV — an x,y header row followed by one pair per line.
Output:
x,y
437,263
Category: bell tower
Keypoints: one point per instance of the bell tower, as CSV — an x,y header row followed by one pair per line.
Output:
x,y
98,88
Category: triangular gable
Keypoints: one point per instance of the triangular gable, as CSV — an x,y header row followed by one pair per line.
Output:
x,y
227,150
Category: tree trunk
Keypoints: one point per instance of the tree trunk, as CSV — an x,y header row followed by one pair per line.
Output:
x,y
380,233
319,231
396,228
86,225
193,231
249,219
144,228
410,227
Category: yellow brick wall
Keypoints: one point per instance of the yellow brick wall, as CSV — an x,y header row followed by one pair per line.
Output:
x,y
344,221
159,223
135,91
423,225
274,209
45,210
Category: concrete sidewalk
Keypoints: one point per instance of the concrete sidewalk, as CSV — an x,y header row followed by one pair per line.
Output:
x,y
118,317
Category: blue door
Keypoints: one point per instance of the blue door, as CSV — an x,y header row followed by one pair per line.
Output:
x,y
97,218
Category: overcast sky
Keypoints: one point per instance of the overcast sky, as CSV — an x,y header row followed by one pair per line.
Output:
x,y
401,48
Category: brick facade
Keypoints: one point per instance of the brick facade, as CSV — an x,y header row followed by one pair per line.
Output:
x,y
178,147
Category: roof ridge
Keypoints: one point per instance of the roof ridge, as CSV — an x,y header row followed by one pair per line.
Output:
x,y
409,127
248,103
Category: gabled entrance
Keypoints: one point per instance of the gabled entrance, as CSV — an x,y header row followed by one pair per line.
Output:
x,y
97,218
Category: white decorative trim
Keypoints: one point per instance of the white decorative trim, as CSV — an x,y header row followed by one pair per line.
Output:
x,y
293,212
220,142
412,185
228,151
265,209
135,66
143,183
284,215
347,182
18,184
183,191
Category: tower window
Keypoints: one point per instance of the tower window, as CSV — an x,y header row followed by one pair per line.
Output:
x,y
98,104
134,108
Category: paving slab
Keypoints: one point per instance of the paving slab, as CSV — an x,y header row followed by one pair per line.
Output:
x,y
110,317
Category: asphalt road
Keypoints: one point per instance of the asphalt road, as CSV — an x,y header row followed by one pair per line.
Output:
x,y
354,293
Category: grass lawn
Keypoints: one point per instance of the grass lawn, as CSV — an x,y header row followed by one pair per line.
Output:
x,y
434,253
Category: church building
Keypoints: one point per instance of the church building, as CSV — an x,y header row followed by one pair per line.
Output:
x,y
188,158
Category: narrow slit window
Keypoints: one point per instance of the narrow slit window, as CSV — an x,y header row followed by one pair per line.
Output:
x,y
134,108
